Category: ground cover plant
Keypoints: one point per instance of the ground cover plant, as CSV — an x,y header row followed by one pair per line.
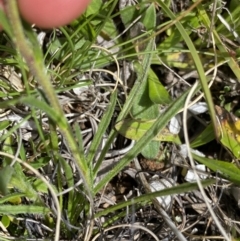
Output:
x,y
122,125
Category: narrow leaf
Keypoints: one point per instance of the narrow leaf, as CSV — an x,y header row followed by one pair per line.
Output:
x,y
22,209
225,169
102,127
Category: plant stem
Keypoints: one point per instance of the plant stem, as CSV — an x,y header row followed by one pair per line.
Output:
x,y
38,70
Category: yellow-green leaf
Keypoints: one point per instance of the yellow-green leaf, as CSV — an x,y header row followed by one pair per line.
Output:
x,y
135,129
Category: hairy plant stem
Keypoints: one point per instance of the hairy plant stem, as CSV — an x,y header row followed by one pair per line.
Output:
x,y
37,69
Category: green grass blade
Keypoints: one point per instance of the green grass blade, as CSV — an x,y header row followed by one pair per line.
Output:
x,y
186,187
102,127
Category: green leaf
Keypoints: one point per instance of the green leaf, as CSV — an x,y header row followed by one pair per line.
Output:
x,y
14,198
20,182
149,17
136,129
225,169
144,108
157,92
40,162
103,125
98,137
94,7
68,173
4,124
40,186
109,31
5,177
206,136
4,21
5,221
151,150
22,209
8,148
129,13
